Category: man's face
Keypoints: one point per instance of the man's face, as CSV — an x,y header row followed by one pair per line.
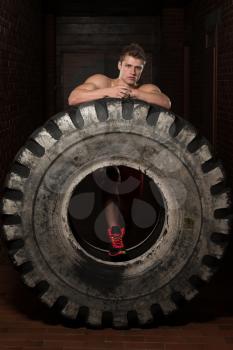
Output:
x,y
130,70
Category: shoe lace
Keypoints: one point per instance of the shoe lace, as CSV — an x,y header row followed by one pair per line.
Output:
x,y
116,239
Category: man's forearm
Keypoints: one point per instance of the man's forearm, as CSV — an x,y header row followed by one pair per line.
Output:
x,y
154,98
78,96
81,95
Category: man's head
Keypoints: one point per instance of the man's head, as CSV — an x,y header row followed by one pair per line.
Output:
x,y
133,50
131,63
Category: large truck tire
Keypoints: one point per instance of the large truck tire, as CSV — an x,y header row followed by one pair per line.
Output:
x,y
173,263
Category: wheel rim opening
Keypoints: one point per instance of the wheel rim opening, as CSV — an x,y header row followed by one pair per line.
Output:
x,y
116,195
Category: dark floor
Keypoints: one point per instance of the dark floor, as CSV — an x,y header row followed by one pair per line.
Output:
x,y
206,323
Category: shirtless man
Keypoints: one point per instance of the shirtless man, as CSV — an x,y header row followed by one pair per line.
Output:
x,y
131,64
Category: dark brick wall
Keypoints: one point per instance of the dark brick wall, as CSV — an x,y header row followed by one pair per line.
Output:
x,y
225,88
172,57
50,65
196,14
21,75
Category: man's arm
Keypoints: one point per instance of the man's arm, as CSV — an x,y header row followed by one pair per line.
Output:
x,y
94,88
152,94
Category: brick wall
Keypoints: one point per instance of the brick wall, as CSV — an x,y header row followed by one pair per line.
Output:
x,y
21,75
225,88
50,65
196,14
172,56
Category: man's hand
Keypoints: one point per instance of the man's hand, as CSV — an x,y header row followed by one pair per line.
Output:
x,y
151,94
133,93
119,91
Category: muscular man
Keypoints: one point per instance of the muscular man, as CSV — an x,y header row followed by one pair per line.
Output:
x,y
131,64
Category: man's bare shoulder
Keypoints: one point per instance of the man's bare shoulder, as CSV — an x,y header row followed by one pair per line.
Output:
x,y
149,88
99,80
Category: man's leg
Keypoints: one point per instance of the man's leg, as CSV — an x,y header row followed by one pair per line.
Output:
x,y
113,215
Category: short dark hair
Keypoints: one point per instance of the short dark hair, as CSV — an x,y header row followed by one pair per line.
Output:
x,y
133,50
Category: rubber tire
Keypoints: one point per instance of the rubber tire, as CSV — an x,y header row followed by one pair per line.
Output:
x,y
73,144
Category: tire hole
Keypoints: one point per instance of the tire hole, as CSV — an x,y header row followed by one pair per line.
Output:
x,y
210,165
157,313
153,116
127,109
176,127
76,117
220,238
101,110
20,170
139,211
14,246
197,282
218,188
132,317
12,194
35,148
178,299
25,268
41,288
196,143
83,315
53,130
60,304
107,319
222,213
210,261
8,219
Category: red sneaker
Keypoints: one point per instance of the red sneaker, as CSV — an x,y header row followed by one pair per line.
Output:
x,y
116,234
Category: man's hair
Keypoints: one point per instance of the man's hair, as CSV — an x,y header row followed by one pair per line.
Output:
x,y
133,50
